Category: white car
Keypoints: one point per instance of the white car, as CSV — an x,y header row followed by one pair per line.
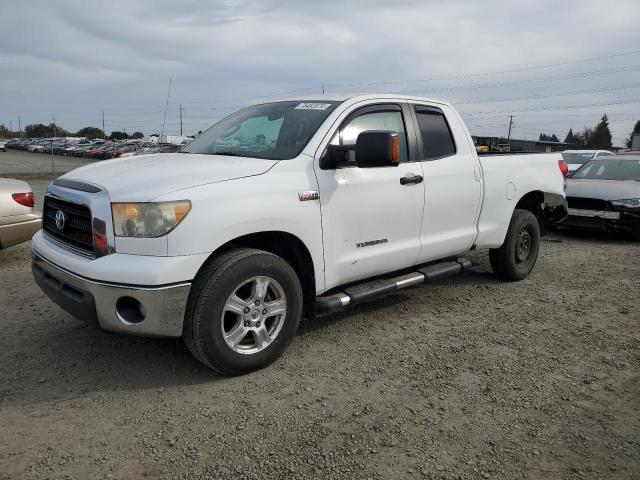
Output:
x,y
37,147
3,145
18,223
576,158
284,210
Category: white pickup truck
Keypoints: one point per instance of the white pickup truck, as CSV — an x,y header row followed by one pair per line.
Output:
x,y
283,210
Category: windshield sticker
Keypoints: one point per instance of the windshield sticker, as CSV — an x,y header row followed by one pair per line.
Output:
x,y
312,106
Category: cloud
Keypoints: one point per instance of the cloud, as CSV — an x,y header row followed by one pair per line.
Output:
x,y
78,59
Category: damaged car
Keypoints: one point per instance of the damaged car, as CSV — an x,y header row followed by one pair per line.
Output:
x,y
604,194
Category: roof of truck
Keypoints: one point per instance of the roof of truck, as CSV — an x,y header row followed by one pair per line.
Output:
x,y
341,97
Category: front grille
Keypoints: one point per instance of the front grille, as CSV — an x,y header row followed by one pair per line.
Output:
x,y
76,231
587,203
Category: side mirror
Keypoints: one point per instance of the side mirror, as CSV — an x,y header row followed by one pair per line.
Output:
x,y
377,148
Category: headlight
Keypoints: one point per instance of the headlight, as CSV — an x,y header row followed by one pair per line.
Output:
x,y
148,219
627,203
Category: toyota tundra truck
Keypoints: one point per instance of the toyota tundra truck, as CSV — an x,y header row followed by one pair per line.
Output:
x,y
282,211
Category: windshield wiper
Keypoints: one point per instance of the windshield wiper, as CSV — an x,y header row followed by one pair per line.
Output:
x,y
229,154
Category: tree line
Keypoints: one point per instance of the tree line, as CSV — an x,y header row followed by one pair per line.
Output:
x,y
39,130
598,137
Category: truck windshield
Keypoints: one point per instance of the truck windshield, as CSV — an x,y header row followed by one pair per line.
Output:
x,y
276,131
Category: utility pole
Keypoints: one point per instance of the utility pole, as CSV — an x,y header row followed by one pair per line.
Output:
x,y
19,127
55,132
11,128
166,106
104,134
510,124
180,119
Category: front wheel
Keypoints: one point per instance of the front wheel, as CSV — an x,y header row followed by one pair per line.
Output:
x,y
243,310
517,256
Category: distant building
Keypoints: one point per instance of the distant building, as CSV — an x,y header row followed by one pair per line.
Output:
x,y
498,144
174,139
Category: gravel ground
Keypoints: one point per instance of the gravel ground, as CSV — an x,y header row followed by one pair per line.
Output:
x,y
471,378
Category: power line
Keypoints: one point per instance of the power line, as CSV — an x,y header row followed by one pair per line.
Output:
x,y
497,72
536,97
566,107
509,83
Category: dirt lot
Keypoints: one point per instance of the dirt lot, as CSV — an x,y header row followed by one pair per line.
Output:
x,y
471,378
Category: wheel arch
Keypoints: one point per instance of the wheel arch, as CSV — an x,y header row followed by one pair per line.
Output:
x,y
549,208
532,201
287,246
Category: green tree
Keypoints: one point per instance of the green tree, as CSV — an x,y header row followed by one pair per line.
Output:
x,y
570,138
38,130
90,133
602,134
636,129
118,136
137,135
4,131
548,138
584,138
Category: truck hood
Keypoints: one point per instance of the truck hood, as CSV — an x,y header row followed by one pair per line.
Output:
x,y
603,189
145,177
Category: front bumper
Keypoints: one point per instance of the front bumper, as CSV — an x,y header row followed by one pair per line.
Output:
x,y
605,220
114,307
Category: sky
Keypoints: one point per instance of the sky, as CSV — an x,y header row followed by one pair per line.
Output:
x,y
553,65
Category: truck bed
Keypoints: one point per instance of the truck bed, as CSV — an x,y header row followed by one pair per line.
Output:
x,y
514,175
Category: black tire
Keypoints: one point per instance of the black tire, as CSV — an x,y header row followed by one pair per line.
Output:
x,y
203,328
517,256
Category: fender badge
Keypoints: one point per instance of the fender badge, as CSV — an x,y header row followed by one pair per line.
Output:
x,y
310,195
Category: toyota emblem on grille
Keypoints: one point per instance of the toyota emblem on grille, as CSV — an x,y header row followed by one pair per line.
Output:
x,y
60,219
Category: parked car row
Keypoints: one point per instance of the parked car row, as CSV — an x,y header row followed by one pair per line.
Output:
x,y
97,149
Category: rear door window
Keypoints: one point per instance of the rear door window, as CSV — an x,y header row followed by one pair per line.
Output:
x,y
437,139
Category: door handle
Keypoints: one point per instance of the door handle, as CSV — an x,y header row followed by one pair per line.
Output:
x,y
412,179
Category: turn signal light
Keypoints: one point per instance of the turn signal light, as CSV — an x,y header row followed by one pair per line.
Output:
x,y
395,149
25,199
100,243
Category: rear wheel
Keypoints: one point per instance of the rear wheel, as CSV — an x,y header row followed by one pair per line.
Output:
x,y
517,256
243,310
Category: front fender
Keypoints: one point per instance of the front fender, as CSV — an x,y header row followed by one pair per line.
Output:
x,y
225,211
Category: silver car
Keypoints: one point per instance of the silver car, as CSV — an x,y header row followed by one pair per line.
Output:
x,y
18,223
